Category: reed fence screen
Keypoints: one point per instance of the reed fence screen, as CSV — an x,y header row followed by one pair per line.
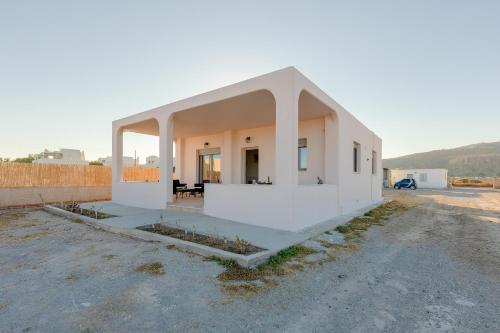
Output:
x,y
14,175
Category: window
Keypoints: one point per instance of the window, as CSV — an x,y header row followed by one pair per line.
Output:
x,y
209,165
356,150
374,162
303,154
423,177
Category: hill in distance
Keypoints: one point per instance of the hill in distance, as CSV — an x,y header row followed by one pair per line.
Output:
x,y
477,160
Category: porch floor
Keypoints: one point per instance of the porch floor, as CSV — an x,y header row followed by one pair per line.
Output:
x,y
133,217
188,202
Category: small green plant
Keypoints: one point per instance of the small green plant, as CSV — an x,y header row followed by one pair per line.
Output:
x,y
242,245
228,263
287,254
343,229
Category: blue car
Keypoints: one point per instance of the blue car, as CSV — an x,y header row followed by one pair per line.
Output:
x,y
406,183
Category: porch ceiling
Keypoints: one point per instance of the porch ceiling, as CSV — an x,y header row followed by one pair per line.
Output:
x,y
256,109
310,107
252,110
149,126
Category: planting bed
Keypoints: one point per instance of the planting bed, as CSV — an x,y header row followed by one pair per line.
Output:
x,y
76,209
239,246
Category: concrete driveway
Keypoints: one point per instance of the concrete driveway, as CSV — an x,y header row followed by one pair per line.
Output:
x,y
434,268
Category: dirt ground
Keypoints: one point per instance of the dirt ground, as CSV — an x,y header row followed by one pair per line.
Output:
x,y
433,268
465,222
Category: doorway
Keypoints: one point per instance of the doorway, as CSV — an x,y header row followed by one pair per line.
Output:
x,y
209,166
251,165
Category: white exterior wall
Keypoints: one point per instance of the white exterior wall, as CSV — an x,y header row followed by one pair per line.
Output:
x,y
436,178
288,203
360,189
264,139
314,131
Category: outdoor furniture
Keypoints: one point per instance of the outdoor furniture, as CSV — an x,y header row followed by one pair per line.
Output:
x,y
199,188
177,185
181,191
189,191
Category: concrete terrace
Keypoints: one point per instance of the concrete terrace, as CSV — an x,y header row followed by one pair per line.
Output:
x,y
133,217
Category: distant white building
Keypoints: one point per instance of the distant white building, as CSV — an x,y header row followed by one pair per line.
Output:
x,y
152,162
127,161
425,178
61,156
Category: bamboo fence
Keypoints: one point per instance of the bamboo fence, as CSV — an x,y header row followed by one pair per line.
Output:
x,y
13,175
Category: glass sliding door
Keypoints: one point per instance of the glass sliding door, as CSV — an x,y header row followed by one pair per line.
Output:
x,y
209,166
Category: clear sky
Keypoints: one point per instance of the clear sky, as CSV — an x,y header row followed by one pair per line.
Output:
x,y
422,75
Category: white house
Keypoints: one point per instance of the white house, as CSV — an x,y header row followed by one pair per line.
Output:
x,y
152,162
127,161
61,156
425,178
260,146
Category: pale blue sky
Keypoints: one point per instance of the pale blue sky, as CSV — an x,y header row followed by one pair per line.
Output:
x,y
421,74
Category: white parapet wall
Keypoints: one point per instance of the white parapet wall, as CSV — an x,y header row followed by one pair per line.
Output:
x,y
140,194
270,205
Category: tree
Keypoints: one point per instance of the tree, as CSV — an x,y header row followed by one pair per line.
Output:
x,y
24,159
95,163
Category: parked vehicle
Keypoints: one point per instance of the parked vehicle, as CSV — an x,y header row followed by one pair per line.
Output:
x,y
406,183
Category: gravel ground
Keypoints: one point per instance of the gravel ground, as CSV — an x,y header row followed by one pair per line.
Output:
x,y
434,268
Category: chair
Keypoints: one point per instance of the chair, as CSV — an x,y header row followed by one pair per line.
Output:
x,y
177,183
199,188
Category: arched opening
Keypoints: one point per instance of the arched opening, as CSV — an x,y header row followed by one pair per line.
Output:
x,y
140,152
231,141
317,141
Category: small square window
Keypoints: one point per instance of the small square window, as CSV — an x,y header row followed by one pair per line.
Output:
x,y
302,154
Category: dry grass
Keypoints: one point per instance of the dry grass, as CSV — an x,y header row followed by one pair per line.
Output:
x,y
17,227
109,256
14,218
354,230
376,216
248,289
465,182
154,268
248,281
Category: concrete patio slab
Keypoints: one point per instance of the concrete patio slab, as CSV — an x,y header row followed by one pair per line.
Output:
x,y
132,217
126,219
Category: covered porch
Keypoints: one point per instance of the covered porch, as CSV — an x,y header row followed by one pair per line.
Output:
x,y
265,157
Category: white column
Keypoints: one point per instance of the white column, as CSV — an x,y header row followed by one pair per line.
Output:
x,y
117,154
179,158
287,110
227,158
331,144
166,156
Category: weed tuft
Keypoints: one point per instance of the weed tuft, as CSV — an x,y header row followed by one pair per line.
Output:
x,y
154,268
228,263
